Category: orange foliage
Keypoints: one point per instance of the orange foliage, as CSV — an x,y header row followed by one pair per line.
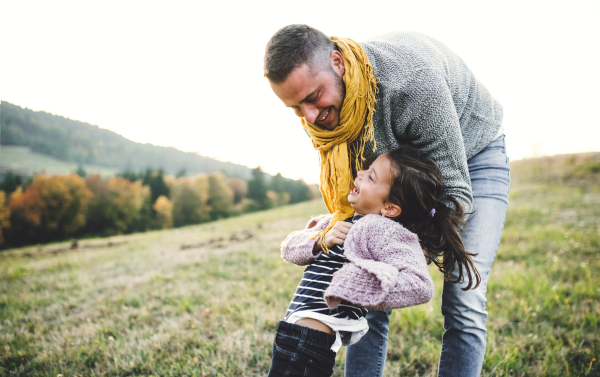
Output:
x,y
66,199
97,185
52,207
25,214
4,216
164,212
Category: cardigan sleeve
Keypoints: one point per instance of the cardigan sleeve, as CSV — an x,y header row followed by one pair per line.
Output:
x,y
387,270
297,248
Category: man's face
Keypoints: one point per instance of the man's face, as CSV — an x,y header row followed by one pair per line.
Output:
x,y
316,95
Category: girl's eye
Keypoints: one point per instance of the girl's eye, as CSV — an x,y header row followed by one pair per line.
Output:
x,y
370,178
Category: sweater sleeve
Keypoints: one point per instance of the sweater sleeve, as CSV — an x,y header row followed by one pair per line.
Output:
x,y
433,126
298,246
387,270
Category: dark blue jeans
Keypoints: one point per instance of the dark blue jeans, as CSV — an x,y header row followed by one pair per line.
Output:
x,y
300,351
463,344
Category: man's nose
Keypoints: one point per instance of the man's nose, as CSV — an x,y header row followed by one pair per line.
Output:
x,y
310,113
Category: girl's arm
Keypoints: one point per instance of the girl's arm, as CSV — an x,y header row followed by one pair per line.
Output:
x,y
387,269
298,247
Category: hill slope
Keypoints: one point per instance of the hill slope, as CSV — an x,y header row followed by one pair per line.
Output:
x,y
21,161
78,142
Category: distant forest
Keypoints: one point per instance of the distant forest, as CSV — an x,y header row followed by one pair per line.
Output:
x,y
74,141
158,187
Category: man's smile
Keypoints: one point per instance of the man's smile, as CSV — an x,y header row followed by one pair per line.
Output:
x,y
324,116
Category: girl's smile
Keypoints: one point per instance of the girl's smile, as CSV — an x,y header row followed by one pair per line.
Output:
x,y
372,187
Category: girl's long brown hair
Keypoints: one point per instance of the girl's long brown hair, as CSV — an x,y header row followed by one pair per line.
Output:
x,y
417,188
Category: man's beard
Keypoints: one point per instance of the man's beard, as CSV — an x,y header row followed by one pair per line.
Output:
x,y
341,87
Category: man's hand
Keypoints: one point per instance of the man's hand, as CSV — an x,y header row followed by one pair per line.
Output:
x,y
337,234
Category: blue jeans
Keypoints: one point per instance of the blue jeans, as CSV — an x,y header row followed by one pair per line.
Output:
x,y
300,351
463,344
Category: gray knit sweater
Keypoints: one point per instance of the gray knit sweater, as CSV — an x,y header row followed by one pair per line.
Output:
x,y
430,99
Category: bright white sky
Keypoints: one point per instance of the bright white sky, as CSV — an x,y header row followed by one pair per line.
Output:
x,y
189,74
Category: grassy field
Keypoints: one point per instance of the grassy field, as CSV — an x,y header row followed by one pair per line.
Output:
x,y
22,160
205,300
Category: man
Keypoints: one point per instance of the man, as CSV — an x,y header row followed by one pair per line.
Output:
x,y
360,100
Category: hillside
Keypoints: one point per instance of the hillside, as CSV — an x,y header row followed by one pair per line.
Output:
x,y
579,169
77,142
22,161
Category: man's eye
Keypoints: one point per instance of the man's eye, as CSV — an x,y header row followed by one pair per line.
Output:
x,y
315,98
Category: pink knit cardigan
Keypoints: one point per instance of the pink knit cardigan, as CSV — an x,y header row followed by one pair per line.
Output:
x,y
387,268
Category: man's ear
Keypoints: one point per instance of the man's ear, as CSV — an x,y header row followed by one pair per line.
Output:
x,y
391,210
337,62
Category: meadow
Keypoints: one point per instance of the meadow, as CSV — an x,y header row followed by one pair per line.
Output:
x,y
205,300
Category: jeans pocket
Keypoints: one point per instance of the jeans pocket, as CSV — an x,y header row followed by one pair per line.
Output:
x,y
285,345
283,357
320,361
318,368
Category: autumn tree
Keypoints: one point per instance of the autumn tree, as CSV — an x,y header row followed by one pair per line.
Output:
x,y
66,199
189,197
277,199
4,216
164,212
240,189
98,221
129,205
25,216
51,208
220,196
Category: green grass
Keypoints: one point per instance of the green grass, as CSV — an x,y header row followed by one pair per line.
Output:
x,y
22,160
143,305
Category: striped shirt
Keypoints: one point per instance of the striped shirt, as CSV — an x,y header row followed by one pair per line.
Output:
x,y
317,277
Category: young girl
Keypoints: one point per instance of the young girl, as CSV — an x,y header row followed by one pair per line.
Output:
x,y
374,260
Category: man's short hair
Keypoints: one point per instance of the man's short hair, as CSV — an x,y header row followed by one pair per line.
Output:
x,y
294,45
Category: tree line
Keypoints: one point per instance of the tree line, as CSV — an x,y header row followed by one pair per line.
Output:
x,y
51,208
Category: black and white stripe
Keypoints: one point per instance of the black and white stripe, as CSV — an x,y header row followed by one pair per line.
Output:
x,y
316,279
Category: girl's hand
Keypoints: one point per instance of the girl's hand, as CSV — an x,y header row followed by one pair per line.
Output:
x,y
337,234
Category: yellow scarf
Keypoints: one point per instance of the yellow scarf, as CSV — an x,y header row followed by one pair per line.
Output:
x,y
356,120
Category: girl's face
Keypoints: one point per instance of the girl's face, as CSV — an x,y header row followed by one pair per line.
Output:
x,y
372,187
